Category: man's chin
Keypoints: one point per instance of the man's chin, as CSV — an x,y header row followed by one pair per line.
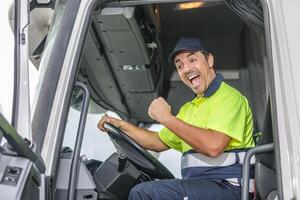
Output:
x,y
197,91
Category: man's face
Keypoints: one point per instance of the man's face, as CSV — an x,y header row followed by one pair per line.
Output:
x,y
195,70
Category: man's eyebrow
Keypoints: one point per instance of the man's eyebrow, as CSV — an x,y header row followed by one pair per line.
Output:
x,y
177,60
192,53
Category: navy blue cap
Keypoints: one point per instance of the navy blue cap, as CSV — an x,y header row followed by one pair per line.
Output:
x,y
186,44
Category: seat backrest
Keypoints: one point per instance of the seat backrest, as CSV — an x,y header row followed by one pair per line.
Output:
x,y
265,171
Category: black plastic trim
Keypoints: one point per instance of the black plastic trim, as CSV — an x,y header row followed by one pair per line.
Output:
x,y
19,145
35,4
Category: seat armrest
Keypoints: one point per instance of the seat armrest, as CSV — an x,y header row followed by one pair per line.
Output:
x,y
246,166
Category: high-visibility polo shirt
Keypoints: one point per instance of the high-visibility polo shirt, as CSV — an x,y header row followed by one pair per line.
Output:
x,y
222,108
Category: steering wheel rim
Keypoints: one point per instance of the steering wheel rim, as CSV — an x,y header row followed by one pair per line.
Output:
x,y
155,170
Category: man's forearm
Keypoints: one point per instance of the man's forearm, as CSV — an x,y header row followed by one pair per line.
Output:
x,y
206,141
148,139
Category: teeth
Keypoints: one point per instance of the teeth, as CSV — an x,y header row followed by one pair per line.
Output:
x,y
191,77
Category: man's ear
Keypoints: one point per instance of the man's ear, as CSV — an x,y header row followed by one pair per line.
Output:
x,y
210,60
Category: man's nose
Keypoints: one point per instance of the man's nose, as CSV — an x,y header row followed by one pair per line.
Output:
x,y
186,67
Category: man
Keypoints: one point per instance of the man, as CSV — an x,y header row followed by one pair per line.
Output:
x,y
213,131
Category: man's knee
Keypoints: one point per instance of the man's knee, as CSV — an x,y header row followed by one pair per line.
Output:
x,y
158,189
140,191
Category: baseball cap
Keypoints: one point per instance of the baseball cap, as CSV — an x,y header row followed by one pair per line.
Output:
x,y
186,44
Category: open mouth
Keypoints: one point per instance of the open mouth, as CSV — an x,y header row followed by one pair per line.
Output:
x,y
194,79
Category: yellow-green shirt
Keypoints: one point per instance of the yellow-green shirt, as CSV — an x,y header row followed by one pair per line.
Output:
x,y
225,110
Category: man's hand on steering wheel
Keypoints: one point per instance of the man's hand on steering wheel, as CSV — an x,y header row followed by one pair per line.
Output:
x,y
146,138
107,119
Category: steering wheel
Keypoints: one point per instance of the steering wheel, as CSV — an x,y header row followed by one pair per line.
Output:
x,y
140,157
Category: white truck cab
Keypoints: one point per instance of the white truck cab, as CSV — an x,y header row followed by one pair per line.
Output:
x,y
97,57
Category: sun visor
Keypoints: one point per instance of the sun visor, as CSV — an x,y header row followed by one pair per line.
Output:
x,y
131,48
121,36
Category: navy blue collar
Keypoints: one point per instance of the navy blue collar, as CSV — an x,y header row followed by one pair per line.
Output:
x,y
214,85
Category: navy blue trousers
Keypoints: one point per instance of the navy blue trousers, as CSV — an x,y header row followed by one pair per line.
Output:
x,y
190,189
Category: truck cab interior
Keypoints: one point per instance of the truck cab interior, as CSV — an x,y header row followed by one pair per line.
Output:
x,y
123,66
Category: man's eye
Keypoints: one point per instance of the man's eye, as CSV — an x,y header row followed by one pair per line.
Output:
x,y
178,66
192,60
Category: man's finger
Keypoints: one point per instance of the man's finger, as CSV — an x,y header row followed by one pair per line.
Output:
x,y
101,123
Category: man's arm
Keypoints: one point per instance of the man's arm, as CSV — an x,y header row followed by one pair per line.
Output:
x,y
148,139
205,141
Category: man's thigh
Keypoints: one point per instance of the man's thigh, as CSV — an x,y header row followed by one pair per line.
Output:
x,y
192,189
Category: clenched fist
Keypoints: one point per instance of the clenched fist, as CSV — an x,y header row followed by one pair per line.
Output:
x,y
159,109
